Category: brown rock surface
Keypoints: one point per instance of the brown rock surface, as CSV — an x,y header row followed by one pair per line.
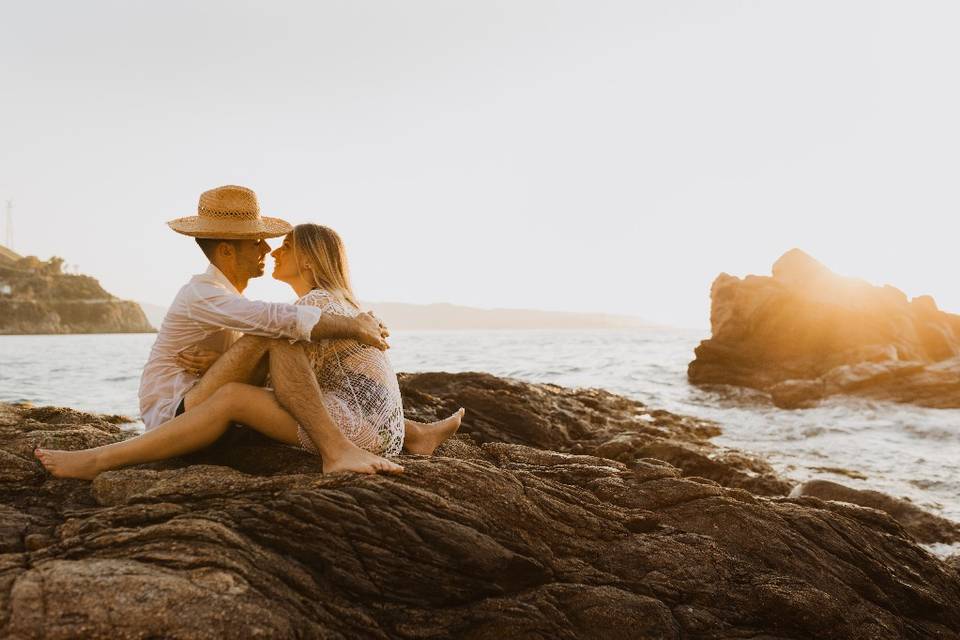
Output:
x,y
806,333
922,525
504,534
585,421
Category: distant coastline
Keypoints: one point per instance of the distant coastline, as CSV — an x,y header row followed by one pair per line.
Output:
x,y
400,315
444,316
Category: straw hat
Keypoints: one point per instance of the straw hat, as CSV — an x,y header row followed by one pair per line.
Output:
x,y
230,213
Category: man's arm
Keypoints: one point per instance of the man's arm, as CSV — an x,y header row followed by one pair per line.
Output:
x,y
365,328
281,320
214,306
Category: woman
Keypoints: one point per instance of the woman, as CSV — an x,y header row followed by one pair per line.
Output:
x,y
358,386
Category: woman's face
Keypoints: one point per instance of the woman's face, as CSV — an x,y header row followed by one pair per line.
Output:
x,y
284,265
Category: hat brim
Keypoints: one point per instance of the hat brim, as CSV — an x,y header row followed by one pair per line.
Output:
x,y
257,229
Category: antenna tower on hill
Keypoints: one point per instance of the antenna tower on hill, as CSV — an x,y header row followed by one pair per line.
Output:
x,y
8,237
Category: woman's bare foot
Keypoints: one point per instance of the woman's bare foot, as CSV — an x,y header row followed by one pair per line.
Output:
x,y
353,458
69,464
424,439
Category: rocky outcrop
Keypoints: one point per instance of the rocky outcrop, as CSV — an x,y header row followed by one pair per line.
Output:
x,y
102,316
505,533
922,525
43,300
805,333
585,421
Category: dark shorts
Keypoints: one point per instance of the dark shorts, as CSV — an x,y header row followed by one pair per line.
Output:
x,y
180,408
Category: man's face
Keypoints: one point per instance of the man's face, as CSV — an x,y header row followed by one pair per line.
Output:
x,y
250,256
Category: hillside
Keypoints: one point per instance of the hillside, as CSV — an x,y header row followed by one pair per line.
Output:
x,y
36,297
8,256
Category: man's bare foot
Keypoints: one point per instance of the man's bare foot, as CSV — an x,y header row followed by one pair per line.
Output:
x,y
353,458
424,439
69,464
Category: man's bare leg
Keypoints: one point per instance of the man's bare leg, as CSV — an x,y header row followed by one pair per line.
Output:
x,y
245,361
423,438
297,391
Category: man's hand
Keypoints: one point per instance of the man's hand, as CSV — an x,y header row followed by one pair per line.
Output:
x,y
365,328
196,360
371,331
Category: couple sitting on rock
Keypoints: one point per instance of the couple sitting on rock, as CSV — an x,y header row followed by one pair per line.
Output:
x,y
312,374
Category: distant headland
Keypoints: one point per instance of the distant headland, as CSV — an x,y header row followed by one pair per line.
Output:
x,y
36,297
443,316
449,316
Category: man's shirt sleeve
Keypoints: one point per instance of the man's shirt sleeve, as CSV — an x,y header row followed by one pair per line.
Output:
x,y
268,319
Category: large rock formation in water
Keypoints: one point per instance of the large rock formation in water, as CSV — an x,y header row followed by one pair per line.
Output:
x,y
37,297
805,333
517,528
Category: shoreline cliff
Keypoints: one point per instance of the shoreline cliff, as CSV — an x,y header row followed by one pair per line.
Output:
x,y
561,513
36,297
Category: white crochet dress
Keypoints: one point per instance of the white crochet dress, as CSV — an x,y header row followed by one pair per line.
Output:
x,y
357,385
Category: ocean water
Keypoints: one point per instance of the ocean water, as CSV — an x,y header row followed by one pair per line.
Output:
x,y
901,450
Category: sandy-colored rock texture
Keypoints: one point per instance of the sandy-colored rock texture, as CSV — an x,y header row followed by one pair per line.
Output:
x,y
555,513
805,333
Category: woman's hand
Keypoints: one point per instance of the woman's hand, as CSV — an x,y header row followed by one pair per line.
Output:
x,y
196,360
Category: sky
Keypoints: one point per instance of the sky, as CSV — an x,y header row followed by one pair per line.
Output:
x,y
583,156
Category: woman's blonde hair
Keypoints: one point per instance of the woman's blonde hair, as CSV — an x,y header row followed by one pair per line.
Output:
x,y
322,249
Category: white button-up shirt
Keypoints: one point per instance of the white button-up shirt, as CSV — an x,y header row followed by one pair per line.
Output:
x,y
209,309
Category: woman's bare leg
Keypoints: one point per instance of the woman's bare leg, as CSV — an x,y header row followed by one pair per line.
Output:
x,y
423,438
246,361
297,391
295,384
233,402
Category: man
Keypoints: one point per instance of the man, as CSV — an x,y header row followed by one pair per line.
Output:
x,y
210,311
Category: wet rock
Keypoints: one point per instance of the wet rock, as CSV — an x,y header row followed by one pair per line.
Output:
x,y
798,394
497,536
587,421
806,333
922,525
840,471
